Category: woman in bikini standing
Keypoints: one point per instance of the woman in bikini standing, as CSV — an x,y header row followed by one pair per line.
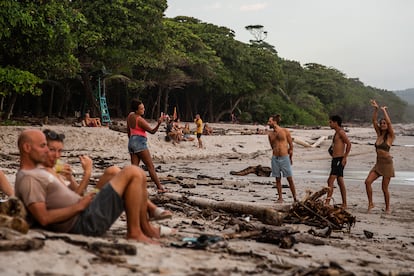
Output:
x,y
384,166
137,128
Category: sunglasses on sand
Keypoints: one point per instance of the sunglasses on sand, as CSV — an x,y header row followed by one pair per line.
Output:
x,y
51,135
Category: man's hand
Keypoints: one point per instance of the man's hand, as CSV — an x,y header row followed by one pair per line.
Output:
x,y
86,200
343,161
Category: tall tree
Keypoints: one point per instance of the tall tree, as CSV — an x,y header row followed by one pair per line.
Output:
x,y
35,37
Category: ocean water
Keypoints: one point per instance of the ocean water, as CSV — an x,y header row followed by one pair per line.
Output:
x,y
401,177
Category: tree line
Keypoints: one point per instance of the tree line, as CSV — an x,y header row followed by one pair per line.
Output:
x,y
58,57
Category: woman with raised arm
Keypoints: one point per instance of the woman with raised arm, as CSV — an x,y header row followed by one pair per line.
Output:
x,y
384,166
137,128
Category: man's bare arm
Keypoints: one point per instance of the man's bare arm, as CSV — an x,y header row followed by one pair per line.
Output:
x,y
46,217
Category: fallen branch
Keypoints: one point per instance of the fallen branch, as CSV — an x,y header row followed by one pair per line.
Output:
x,y
313,211
319,141
258,170
21,244
301,142
263,213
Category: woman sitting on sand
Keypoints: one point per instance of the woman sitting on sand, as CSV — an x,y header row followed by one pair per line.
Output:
x,y
91,122
384,166
207,130
187,133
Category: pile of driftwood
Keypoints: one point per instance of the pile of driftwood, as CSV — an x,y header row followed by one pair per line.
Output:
x,y
313,211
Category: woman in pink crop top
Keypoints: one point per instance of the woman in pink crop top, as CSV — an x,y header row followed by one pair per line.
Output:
x,y
137,128
384,166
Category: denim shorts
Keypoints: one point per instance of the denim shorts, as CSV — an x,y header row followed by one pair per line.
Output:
x,y
281,165
101,213
137,143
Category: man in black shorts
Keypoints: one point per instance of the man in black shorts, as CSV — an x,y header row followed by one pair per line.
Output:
x,y
339,151
55,207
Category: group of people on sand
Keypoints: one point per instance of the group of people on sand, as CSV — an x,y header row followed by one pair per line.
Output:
x,y
176,133
57,202
281,142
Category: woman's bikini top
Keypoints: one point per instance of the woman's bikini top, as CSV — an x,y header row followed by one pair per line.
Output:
x,y
383,146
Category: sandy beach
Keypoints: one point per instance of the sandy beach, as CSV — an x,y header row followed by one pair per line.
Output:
x,y
390,250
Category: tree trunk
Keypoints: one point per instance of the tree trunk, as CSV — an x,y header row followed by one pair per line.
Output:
x,y
265,214
11,106
94,108
228,111
52,95
166,105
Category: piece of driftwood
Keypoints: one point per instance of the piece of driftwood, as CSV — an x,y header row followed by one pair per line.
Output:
x,y
258,170
96,247
333,269
319,141
301,142
314,212
21,244
263,213
13,240
120,128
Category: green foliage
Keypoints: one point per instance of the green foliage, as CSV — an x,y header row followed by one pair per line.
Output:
x,y
11,123
14,80
195,66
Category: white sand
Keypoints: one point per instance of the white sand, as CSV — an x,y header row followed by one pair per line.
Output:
x,y
389,251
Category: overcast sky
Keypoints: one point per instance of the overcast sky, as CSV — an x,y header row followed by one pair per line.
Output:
x,y
372,40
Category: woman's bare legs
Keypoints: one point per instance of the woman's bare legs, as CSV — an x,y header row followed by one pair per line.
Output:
x,y
372,176
385,184
135,159
146,158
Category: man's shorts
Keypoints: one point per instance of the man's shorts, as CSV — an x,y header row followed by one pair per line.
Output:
x,y
101,213
199,135
281,166
336,166
137,143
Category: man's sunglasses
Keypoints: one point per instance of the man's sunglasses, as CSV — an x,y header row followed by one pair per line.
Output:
x,y
51,135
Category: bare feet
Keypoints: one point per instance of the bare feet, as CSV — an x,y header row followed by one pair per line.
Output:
x,y
152,231
162,190
370,206
280,200
142,238
388,211
344,206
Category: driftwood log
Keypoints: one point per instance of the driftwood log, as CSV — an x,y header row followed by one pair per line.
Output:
x,y
301,142
319,141
258,170
313,211
11,239
265,214
308,145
